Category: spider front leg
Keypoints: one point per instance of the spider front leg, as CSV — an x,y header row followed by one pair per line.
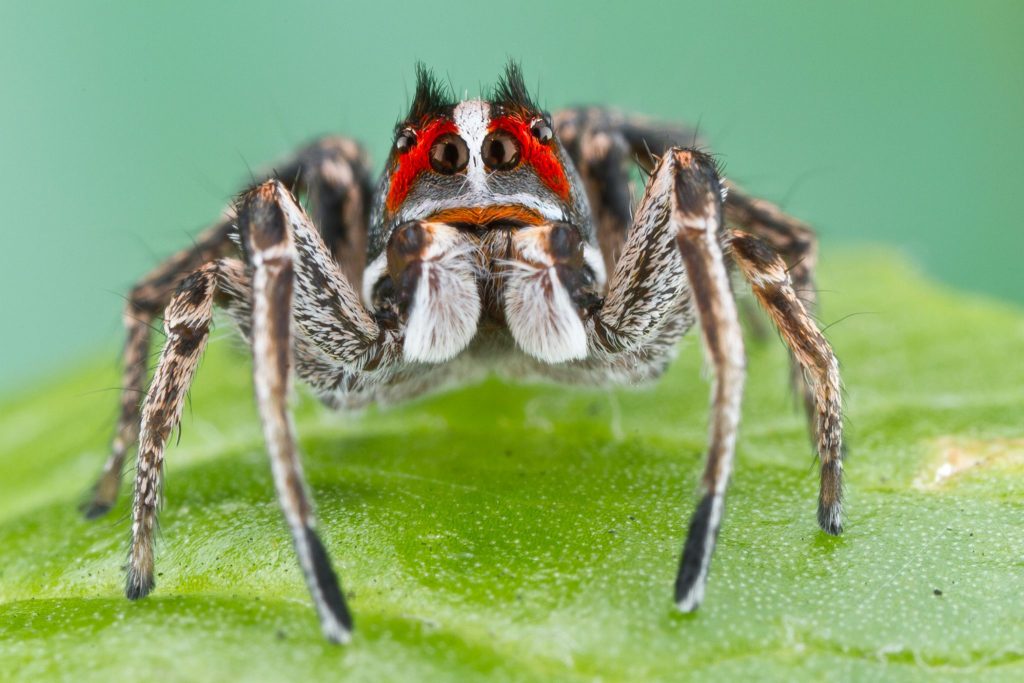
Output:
x,y
283,249
267,220
300,307
673,254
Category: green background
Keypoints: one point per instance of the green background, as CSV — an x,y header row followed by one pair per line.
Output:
x,y
124,127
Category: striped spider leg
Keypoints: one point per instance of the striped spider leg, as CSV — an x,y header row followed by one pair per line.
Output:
x,y
292,301
333,174
600,140
673,270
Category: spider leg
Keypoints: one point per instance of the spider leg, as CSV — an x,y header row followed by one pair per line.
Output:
x,y
797,244
296,306
334,175
600,140
672,266
187,321
773,287
596,142
266,229
145,302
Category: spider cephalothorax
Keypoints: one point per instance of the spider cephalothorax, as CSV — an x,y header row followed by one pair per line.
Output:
x,y
483,195
499,239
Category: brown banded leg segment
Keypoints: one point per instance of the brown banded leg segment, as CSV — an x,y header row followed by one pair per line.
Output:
x,y
601,154
603,144
334,175
797,244
267,215
187,322
145,302
773,287
295,268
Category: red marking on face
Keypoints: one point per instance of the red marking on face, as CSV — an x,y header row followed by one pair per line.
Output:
x,y
415,160
540,155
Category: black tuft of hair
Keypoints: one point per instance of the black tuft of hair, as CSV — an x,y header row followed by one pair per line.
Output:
x,y
431,97
511,91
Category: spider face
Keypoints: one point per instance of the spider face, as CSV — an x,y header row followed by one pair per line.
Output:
x,y
480,164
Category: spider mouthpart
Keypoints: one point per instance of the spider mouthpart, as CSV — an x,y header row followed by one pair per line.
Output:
x,y
406,140
500,151
541,130
449,154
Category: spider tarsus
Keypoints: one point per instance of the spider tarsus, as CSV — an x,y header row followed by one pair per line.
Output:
x,y
694,562
103,493
137,585
336,620
830,518
95,509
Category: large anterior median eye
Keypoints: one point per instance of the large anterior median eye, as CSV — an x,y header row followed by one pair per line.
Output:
x,y
449,154
500,151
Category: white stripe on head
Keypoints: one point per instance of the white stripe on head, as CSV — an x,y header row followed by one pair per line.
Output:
x,y
472,119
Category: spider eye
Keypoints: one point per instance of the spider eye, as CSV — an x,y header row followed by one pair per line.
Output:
x,y
542,130
449,154
500,151
405,141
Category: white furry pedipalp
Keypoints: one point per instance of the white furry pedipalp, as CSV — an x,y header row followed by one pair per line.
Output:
x,y
538,309
445,308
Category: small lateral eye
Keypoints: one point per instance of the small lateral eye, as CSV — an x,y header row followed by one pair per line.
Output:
x,y
500,151
449,154
405,140
542,130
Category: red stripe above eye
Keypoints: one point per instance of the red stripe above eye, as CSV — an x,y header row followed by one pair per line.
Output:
x,y
540,155
415,160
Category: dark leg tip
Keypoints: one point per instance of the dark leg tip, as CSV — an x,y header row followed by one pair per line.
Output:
x,y
335,619
693,565
95,509
830,518
137,586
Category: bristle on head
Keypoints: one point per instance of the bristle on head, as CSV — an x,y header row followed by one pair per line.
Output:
x,y
431,97
511,92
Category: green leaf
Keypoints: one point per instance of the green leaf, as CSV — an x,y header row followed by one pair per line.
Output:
x,y
533,532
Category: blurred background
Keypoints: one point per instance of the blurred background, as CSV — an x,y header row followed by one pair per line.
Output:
x,y
125,126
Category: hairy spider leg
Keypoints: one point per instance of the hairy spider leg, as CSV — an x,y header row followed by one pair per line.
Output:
x,y
767,274
333,172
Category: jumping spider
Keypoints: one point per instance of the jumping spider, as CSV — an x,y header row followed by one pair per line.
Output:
x,y
485,247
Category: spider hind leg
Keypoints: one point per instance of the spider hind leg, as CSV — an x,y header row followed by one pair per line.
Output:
x,y
773,287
